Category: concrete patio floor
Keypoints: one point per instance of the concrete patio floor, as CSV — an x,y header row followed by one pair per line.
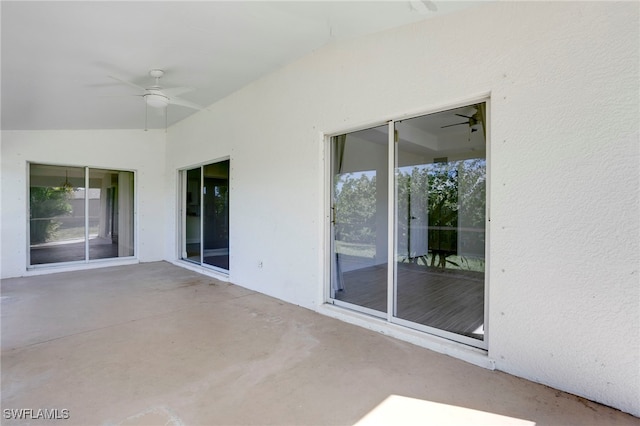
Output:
x,y
155,344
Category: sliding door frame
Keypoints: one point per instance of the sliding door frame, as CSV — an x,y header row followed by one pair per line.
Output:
x,y
182,216
329,184
392,238
86,259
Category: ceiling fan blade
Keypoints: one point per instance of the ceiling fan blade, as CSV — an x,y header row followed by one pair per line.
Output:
x,y
185,103
465,116
423,6
176,91
119,96
430,5
457,124
128,83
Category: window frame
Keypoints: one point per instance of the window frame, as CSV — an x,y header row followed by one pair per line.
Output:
x,y
86,260
181,198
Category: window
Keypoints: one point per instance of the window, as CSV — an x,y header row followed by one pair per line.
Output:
x,y
79,214
408,229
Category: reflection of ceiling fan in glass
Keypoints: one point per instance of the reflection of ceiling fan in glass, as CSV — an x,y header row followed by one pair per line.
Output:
x,y
472,120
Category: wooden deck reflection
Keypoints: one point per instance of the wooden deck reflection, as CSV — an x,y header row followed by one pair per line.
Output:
x,y
451,300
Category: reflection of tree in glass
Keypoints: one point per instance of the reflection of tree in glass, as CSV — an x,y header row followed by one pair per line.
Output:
x,y
221,204
355,205
455,197
47,203
472,187
455,190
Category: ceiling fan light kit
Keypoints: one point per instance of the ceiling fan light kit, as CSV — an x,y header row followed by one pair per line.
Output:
x,y
154,96
156,100
158,97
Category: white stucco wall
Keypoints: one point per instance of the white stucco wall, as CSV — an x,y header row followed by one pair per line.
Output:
x,y
143,152
564,167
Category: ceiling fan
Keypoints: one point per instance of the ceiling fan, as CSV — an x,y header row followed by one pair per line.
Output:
x,y
160,98
472,120
156,96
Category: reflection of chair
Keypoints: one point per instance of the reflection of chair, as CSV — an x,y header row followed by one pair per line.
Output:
x,y
443,242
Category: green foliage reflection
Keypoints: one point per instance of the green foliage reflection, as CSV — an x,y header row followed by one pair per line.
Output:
x,y
47,203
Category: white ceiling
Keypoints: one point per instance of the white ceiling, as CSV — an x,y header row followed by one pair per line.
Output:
x,y
57,56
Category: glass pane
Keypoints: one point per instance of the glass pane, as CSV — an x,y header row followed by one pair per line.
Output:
x,y
110,214
360,199
56,220
192,208
215,219
440,221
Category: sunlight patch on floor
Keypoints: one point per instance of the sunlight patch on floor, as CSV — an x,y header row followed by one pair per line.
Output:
x,y
400,410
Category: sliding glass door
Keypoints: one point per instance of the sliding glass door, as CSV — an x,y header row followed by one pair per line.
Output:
x,y
430,215
110,214
359,209
206,215
440,221
79,214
